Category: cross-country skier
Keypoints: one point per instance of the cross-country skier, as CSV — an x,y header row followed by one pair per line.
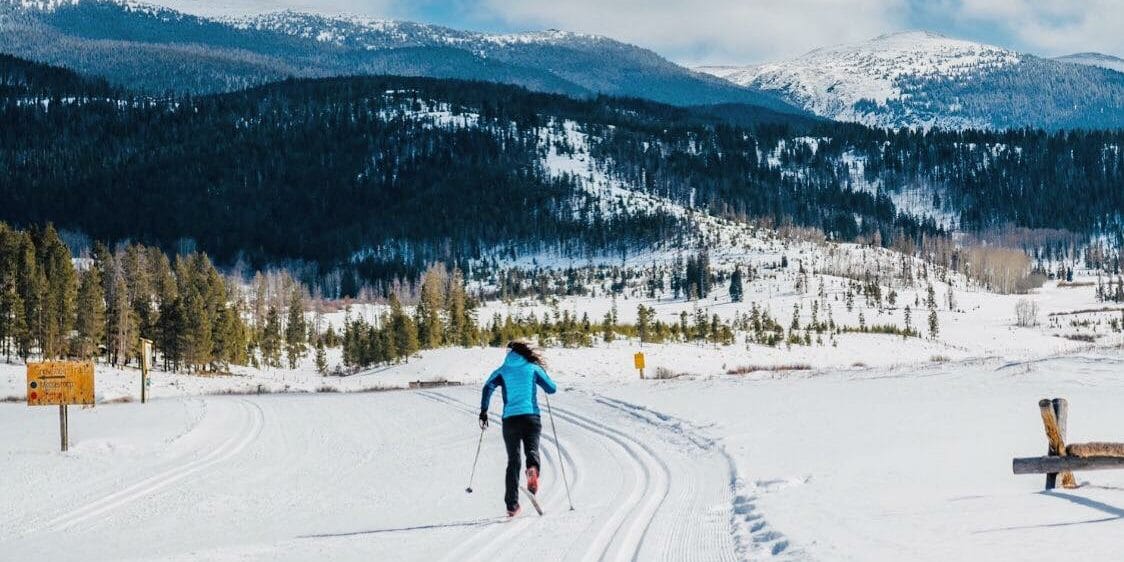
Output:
x,y
522,369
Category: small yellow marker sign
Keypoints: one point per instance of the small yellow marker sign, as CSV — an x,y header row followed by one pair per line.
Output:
x,y
59,383
638,360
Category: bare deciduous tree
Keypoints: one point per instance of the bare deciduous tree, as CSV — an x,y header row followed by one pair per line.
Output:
x,y
1026,313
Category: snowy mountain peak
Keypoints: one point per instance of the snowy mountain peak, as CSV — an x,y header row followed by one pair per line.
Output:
x,y
841,81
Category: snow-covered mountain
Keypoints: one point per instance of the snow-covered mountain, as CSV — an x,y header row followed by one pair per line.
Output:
x,y
924,79
1094,59
373,33
157,49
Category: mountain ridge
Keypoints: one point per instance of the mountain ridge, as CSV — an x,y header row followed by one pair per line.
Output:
x,y
924,79
1094,59
155,49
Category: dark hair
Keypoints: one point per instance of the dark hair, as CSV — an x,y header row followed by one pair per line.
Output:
x,y
528,352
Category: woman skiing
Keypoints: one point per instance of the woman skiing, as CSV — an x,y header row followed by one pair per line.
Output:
x,y
522,369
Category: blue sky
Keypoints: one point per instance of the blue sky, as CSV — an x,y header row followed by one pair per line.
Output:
x,y
746,31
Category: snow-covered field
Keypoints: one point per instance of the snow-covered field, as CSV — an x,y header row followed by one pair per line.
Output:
x,y
878,447
888,463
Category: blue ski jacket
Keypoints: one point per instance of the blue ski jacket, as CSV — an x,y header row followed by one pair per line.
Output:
x,y
516,379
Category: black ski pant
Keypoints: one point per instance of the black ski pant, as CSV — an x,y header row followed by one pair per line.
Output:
x,y
520,430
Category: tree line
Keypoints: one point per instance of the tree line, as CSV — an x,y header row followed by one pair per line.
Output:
x,y
100,307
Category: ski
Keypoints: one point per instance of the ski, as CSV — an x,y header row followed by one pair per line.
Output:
x,y
534,500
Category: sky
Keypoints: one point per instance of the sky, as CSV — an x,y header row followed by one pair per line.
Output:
x,y
745,31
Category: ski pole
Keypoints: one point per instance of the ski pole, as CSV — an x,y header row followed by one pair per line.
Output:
x,y
561,461
474,459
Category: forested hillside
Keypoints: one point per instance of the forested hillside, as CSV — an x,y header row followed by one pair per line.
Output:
x,y
19,77
382,176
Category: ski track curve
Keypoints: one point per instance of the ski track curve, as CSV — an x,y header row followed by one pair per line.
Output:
x,y
659,511
625,539
250,427
754,537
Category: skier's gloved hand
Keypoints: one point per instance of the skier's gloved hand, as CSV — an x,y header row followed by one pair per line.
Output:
x,y
483,419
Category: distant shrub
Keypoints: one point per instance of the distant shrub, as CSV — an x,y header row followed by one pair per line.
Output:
x,y
1087,338
747,369
887,329
663,373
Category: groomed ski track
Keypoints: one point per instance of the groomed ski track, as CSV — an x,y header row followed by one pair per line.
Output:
x,y
374,475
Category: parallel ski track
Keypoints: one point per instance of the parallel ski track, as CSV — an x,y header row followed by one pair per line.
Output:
x,y
253,421
622,531
490,544
623,537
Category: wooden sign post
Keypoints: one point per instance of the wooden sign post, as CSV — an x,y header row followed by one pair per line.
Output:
x,y
638,361
146,363
60,383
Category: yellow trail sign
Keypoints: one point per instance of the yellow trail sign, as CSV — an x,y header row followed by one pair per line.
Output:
x,y
638,360
59,383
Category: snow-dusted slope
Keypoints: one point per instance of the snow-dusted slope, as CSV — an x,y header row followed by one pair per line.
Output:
x,y
375,33
1095,59
831,80
918,78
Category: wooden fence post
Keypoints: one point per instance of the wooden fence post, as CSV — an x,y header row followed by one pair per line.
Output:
x,y
1061,412
64,436
1054,413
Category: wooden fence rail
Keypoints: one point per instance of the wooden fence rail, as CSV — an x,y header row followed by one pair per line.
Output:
x,y
1061,460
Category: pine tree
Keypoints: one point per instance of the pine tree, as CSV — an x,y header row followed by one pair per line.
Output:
x,y
19,331
404,329
373,350
431,330
198,332
608,334
388,345
91,313
170,333
10,305
643,322
104,261
58,312
271,338
124,323
736,290
931,302
321,358
230,338
295,328
138,279
460,330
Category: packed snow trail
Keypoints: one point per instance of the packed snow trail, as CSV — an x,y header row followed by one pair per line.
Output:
x,y
352,476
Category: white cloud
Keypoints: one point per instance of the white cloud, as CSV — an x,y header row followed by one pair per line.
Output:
x,y
712,31
1052,27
